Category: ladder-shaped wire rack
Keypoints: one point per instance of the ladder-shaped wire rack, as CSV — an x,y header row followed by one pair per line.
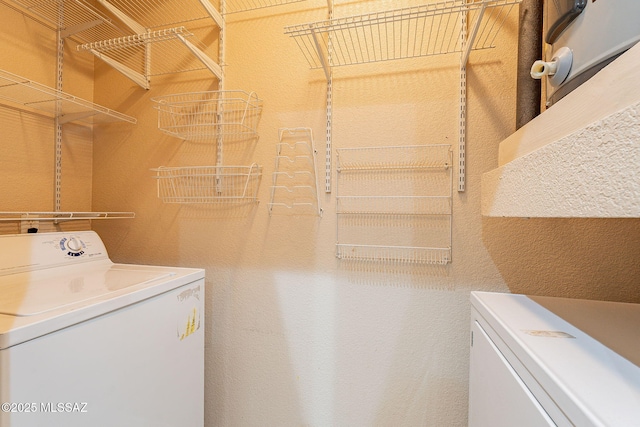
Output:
x,y
294,186
394,204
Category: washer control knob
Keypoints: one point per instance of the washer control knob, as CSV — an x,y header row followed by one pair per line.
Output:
x,y
74,244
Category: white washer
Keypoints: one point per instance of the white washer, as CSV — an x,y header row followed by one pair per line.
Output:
x,y
86,342
541,361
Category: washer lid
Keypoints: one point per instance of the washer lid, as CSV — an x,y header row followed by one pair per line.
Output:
x,y
25,295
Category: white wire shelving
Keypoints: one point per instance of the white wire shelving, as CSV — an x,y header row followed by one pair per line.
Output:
x,y
294,188
63,216
124,33
444,27
63,106
159,41
208,184
200,116
76,19
427,30
215,117
235,6
394,204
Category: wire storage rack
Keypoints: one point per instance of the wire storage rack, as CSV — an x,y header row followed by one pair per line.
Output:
x,y
208,184
426,30
209,115
76,19
235,6
394,204
294,186
67,107
214,117
123,32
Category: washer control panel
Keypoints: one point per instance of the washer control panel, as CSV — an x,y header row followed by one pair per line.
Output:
x,y
26,252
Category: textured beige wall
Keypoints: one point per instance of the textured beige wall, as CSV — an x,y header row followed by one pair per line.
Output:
x,y
295,336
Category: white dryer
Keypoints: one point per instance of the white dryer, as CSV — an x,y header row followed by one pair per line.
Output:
x,y
87,342
541,361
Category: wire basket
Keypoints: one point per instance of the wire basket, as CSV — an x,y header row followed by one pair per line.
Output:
x,y
209,115
208,184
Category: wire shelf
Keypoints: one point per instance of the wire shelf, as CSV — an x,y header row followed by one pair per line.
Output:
x,y
178,50
76,19
66,107
394,254
394,204
63,216
409,157
121,32
427,30
235,6
207,115
157,14
208,184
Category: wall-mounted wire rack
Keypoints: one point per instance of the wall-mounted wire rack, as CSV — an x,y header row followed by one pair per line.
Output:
x,y
208,184
294,188
394,204
235,6
63,216
158,26
444,27
63,106
431,29
208,115
122,33
76,19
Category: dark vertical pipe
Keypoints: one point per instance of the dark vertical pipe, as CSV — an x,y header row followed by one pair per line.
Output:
x,y
529,50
